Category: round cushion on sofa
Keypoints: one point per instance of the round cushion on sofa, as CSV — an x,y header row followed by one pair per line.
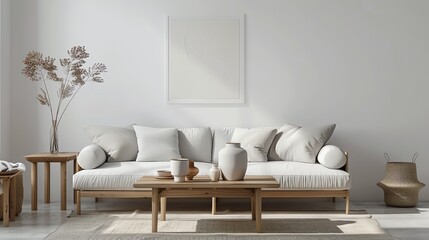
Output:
x,y
331,156
91,157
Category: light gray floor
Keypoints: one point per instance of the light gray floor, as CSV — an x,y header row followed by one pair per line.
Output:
x,y
402,223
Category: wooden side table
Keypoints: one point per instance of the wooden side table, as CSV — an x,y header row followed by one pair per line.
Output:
x,y
9,196
48,158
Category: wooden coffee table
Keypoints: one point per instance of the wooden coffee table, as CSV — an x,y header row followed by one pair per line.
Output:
x,y
202,186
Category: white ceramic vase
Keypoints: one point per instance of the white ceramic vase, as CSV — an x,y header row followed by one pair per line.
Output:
x,y
233,162
179,168
214,173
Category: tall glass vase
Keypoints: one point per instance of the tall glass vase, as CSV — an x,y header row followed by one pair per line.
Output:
x,y
54,137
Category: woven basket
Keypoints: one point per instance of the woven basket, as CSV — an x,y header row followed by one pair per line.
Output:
x,y
400,184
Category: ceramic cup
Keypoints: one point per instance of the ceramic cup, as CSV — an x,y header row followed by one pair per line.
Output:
x,y
179,168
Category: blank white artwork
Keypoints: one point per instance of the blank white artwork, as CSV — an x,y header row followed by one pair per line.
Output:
x,y
205,60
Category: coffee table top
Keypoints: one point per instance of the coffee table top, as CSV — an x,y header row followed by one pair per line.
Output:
x,y
205,182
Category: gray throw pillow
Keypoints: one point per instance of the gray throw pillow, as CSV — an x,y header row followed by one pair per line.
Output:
x,y
157,144
299,144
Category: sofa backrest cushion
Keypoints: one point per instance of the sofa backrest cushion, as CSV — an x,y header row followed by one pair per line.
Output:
x,y
195,143
119,143
299,144
157,144
256,141
220,137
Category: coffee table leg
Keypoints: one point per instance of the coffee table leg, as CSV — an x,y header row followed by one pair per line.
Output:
x,y
213,205
163,208
258,209
33,186
155,206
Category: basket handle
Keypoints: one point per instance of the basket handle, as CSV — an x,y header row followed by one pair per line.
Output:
x,y
386,156
415,157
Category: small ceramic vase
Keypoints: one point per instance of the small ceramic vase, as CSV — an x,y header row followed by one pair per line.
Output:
x,y
179,169
193,171
214,173
233,162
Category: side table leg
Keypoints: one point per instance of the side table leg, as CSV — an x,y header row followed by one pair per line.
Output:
x,y
47,182
155,205
63,186
12,199
6,185
34,186
258,210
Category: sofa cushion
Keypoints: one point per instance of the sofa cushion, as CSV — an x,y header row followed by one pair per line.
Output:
x,y
195,143
157,144
220,137
91,156
122,175
302,176
119,143
300,144
291,175
331,156
256,142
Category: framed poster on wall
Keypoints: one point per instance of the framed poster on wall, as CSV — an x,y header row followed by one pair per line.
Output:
x,y
205,59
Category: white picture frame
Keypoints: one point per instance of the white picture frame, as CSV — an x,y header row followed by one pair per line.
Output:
x,y
205,60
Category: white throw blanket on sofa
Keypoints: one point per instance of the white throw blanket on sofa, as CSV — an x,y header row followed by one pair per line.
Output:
x,y
6,166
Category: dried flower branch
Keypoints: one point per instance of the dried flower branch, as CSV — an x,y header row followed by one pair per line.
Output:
x,y
39,68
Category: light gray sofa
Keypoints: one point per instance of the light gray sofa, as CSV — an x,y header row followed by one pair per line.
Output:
x,y
105,174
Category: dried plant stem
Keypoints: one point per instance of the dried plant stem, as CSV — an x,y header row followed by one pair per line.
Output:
x,y
71,98
47,93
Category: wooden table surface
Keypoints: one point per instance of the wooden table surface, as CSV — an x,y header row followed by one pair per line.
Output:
x,y
205,182
52,157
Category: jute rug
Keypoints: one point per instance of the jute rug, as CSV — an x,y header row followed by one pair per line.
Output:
x,y
202,225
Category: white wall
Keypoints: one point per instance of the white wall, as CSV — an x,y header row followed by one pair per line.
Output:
x,y
5,21
360,64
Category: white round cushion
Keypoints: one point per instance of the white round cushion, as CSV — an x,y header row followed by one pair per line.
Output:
x,y
331,156
91,157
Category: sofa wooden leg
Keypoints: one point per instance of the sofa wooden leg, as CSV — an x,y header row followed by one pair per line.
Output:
x,y
252,207
78,202
163,208
347,203
213,205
